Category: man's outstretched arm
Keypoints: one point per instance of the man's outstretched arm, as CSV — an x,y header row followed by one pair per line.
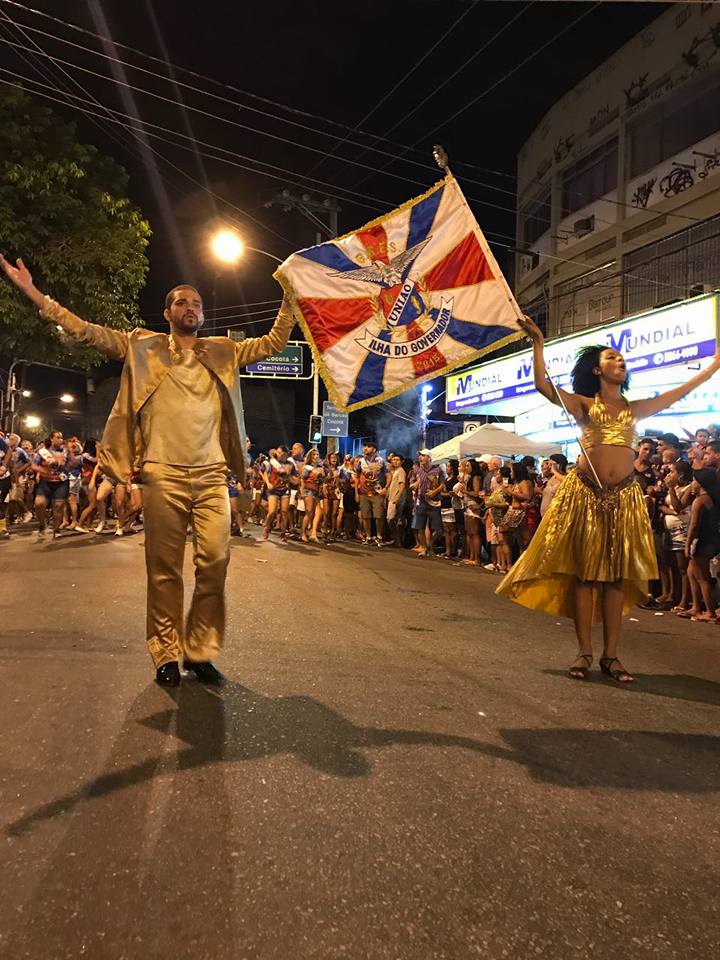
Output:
x,y
113,343
257,348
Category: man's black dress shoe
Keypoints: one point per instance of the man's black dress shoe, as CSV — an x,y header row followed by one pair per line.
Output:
x,y
204,671
168,675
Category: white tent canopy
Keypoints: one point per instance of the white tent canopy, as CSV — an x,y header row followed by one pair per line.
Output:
x,y
492,440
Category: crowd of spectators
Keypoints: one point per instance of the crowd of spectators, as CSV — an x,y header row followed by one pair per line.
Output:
x,y
681,482
475,512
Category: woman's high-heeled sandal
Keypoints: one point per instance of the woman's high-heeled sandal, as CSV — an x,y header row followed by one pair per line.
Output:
x,y
580,673
618,674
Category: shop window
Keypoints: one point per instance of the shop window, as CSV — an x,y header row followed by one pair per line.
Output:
x,y
590,178
677,126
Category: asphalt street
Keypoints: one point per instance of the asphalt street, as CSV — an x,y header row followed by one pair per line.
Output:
x,y
397,768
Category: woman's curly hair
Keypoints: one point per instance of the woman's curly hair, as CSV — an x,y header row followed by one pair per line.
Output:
x,y
584,381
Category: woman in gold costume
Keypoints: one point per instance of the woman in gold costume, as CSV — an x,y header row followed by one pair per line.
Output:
x,y
593,553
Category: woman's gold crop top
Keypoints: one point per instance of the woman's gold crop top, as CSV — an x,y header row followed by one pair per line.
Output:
x,y
605,426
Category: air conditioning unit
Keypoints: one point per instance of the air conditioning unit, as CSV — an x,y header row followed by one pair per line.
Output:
x,y
581,228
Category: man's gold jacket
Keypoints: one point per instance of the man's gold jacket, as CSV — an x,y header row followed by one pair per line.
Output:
x,y
147,358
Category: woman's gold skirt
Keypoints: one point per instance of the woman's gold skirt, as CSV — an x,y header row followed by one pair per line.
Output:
x,y
590,534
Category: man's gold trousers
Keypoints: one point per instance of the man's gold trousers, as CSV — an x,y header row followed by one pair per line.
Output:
x,y
174,497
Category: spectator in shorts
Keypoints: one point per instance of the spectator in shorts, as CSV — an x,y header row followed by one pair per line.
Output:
x,y
311,481
448,502
371,479
74,486
703,544
331,495
469,488
676,509
51,464
278,471
347,516
14,461
295,504
396,496
426,484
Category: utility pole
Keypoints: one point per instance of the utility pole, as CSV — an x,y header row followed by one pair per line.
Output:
x,y
323,214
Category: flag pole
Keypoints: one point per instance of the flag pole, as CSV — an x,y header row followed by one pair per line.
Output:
x,y
442,160
572,427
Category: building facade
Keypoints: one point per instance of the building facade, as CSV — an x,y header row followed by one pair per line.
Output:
x,y
619,185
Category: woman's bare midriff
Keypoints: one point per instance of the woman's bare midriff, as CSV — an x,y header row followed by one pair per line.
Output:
x,y
612,464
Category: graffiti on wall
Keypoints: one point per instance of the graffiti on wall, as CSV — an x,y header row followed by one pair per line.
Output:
x,y
680,176
643,193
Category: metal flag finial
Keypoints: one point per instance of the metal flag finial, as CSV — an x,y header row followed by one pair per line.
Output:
x,y
441,158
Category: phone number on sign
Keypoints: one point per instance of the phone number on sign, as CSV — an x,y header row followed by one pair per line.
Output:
x,y
672,356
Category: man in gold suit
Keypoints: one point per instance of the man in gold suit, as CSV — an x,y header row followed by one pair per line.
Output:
x,y
179,415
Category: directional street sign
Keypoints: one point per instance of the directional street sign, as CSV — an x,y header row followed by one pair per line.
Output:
x,y
287,363
334,423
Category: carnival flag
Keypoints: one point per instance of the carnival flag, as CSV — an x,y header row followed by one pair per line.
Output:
x,y
412,295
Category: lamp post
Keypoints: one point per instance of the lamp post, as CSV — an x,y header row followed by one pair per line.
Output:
x,y
31,420
425,411
13,391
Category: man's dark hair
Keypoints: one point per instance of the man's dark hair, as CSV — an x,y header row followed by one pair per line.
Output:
x,y
282,447
370,442
670,440
529,462
561,460
714,445
649,441
181,286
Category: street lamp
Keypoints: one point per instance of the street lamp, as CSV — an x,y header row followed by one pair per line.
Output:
x,y
66,398
32,422
227,246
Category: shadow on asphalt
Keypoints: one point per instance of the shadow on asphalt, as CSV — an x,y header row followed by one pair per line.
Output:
x,y
235,724
674,686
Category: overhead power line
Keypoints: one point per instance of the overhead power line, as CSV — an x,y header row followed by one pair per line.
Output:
x,y
418,63
108,130
365,147
138,126
317,184
427,134
226,86
322,184
323,153
492,236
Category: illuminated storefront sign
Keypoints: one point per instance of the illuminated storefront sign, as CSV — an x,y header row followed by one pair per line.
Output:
x,y
680,334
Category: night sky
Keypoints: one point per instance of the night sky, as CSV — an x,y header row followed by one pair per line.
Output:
x,y
315,81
